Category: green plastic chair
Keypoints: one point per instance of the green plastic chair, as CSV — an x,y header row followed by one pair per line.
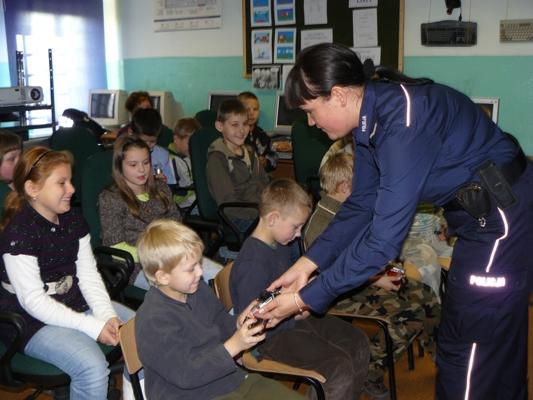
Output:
x,y
309,144
4,191
96,177
82,143
206,118
212,217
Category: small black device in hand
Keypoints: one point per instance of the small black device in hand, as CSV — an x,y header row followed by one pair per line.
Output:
x,y
263,299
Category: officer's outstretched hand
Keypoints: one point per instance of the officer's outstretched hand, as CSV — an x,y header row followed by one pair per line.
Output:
x,y
296,277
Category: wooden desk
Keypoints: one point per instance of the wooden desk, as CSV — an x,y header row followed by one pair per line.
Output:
x,y
284,169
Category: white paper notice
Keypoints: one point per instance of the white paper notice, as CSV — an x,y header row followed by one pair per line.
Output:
x,y
285,69
310,37
365,27
315,12
362,3
368,52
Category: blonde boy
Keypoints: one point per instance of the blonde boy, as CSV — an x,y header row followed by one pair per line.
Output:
x,y
185,339
234,173
328,345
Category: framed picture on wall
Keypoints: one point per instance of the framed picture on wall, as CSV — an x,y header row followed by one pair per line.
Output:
x,y
490,106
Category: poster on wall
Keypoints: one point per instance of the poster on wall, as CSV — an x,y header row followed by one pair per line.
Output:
x,y
365,27
285,45
261,46
309,37
175,15
260,13
266,77
284,12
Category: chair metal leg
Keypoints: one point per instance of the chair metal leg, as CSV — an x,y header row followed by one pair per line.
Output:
x,y
410,357
317,386
420,350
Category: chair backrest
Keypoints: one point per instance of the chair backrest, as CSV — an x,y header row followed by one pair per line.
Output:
x,y
198,146
82,143
309,144
221,286
131,356
165,136
4,191
96,176
206,118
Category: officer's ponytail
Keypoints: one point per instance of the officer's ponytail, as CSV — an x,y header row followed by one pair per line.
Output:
x,y
320,67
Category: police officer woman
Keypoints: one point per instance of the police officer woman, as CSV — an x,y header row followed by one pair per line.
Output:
x,y
420,141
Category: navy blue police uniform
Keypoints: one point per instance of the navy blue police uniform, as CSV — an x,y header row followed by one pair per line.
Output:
x,y
424,143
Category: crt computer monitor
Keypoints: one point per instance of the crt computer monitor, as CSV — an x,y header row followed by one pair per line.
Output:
x,y
215,98
164,102
107,107
285,117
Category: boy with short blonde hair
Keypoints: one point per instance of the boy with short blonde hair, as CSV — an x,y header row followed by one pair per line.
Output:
x,y
185,339
328,345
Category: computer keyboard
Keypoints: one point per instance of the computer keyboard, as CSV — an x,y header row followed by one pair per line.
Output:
x,y
516,30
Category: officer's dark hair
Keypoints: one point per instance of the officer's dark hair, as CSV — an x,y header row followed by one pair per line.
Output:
x,y
320,67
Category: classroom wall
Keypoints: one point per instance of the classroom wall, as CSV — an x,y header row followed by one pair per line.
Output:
x,y
489,69
188,63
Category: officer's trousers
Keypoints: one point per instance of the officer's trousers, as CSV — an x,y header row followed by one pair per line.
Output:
x,y
482,339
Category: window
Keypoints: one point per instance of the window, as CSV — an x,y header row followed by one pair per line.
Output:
x,y
74,30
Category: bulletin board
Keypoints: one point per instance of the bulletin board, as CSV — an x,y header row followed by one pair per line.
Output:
x,y
339,18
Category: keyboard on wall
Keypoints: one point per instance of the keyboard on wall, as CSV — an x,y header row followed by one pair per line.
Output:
x,y
516,30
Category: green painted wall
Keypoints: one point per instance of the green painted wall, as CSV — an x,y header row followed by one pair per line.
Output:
x,y
190,79
509,79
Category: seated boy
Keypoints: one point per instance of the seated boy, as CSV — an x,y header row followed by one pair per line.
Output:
x,y
233,169
409,306
186,341
146,124
181,161
328,344
258,138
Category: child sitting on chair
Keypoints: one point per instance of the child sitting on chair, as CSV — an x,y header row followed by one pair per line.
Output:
x,y
180,161
146,124
49,276
258,138
410,307
134,200
233,169
327,344
10,149
186,341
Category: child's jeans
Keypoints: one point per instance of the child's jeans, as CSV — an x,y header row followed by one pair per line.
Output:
x,y
78,355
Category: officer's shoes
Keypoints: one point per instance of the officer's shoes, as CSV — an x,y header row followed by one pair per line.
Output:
x,y
376,389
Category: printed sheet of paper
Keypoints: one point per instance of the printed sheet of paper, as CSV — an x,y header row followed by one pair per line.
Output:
x,y
315,12
261,46
365,27
285,69
284,12
310,37
369,52
285,45
260,13
362,3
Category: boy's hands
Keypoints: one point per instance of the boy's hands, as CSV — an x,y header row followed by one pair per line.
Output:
x,y
109,333
245,337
